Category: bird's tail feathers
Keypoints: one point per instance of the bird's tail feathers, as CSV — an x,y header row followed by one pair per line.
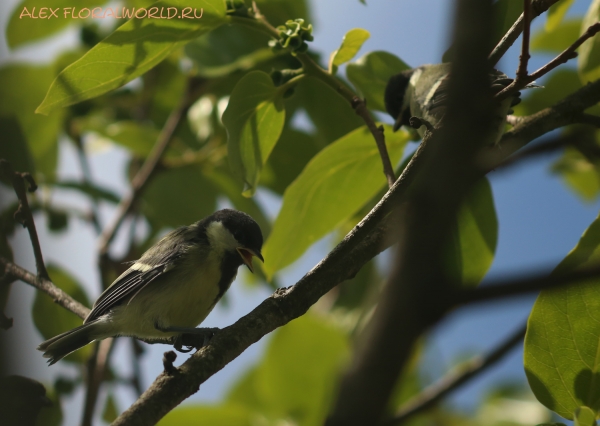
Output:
x,y
62,345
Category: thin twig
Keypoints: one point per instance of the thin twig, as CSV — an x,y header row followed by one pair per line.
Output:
x,y
537,8
568,53
520,286
360,106
524,58
23,213
432,395
96,372
60,297
143,175
564,56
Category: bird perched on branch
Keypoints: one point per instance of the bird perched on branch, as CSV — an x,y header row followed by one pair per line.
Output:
x,y
423,92
172,288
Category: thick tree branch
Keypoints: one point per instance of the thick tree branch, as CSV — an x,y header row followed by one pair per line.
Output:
x,y
432,395
23,214
60,297
365,241
412,299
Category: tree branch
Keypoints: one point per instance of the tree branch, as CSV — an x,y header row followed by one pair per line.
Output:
x,y
432,395
365,241
524,58
537,8
569,53
60,297
23,214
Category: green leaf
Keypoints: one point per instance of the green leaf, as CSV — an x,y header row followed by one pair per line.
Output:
x,y
296,378
556,40
333,186
221,415
14,146
331,114
308,353
474,238
227,49
51,415
289,157
178,196
27,22
280,11
588,63
585,416
22,88
506,12
110,412
556,14
579,173
370,75
52,319
351,44
562,349
130,51
254,119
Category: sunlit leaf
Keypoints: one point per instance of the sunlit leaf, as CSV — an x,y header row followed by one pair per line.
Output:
x,y
36,19
52,319
351,44
556,40
134,48
474,237
585,416
556,14
221,415
306,354
562,349
589,53
333,186
370,75
254,119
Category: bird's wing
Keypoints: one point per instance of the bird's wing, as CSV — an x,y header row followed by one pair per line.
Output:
x,y
157,261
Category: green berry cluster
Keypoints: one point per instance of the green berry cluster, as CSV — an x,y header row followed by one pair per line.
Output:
x,y
293,36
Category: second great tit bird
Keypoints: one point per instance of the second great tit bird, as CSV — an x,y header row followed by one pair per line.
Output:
x,y
172,288
423,92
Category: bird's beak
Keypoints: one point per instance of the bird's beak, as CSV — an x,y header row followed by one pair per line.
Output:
x,y
247,255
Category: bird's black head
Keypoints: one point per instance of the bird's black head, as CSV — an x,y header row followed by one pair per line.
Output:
x,y
243,228
394,98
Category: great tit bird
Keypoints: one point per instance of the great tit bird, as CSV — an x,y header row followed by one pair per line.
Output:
x,y
172,288
423,92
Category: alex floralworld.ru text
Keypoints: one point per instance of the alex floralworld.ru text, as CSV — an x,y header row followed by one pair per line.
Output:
x,y
109,12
